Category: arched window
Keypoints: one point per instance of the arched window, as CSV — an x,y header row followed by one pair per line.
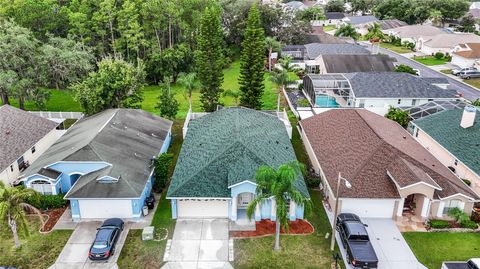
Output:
x,y
454,203
42,186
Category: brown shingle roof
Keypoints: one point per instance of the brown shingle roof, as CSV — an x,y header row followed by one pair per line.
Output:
x,y
473,53
19,131
363,145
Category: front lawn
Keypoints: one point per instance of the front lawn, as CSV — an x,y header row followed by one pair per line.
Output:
x,y
36,251
474,82
298,251
430,60
394,48
328,28
446,71
432,249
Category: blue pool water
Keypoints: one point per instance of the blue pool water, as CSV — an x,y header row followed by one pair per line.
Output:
x,y
325,101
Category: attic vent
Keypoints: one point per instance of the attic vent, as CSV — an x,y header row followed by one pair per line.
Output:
x,y
107,180
154,135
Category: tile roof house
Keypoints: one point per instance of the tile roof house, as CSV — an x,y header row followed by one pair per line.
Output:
x,y
23,137
103,163
445,42
376,91
466,54
215,172
391,174
412,33
453,136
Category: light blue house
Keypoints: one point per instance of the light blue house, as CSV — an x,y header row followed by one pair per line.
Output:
x,y
215,173
103,163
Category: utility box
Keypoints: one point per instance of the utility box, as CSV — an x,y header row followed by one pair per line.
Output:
x,y
147,233
145,210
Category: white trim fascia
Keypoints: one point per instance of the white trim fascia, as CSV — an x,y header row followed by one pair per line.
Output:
x,y
57,162
199,198
414,184
123,198
78,173
457,194
108,121
239,183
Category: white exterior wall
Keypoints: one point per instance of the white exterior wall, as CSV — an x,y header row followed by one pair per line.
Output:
x,y
462,62
8,176
380,106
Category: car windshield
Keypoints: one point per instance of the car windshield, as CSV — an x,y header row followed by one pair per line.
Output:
x,y
100,244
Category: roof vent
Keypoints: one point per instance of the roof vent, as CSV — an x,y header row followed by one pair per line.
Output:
x,y
7,132
468,117
154,135
107,180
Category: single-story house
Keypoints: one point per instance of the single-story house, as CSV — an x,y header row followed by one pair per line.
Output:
x,y
360,23
453,136
319,36
444,43
215,172
390,173
375,91
466,55
355,63
23,137
333,18
412,33
390,24
104,163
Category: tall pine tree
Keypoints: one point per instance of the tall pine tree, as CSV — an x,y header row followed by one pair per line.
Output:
x,y
252,62
209,58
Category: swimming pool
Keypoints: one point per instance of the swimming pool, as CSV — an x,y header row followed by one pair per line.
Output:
x,y
325,101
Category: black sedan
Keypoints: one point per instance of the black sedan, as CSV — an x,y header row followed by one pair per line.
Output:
x,y
107,236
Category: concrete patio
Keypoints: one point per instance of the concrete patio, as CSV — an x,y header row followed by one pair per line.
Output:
x,y
199,243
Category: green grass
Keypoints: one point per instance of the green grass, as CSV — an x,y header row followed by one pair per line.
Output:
x,y
432,249
328,28
298,251
36,251
394,48
446,71
474,82
297,141
430,60
60,100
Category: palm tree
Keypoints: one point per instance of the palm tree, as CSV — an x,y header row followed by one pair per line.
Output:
x,y
347,30
281,78
286,64
436,17
190,83
271,45
12,209
279,185
374,32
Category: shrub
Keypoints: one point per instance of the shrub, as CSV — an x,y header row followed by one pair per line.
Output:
x,y
300,86
469,224
439,55
312,182
47,201
303,103
439,224
405,69
160,174
408,44
468,182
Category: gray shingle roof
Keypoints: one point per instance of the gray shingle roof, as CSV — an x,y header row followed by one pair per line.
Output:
x,y
361,19
394,85
19,131
334,15
463,143
227,147
357,63
316,49
125,138
389,24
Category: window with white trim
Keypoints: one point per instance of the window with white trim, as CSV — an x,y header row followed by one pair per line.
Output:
x,y
451,204
42,187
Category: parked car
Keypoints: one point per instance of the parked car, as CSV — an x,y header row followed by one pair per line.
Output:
x,y
470,264
470,74
355,239
107,236
150,201
457,71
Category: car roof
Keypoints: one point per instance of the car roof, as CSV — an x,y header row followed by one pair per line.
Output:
x,y
113,222
103,234
348,217
355,228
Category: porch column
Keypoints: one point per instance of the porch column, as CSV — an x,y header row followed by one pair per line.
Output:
x,y
292,214
426,207
273,214
258,217
401,203
234,208
174,208
441,206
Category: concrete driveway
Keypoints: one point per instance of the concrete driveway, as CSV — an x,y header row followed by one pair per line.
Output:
x,y
199,243
75,253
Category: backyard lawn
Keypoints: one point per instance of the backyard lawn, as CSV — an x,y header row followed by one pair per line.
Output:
x,y
433,248
36,251
430,60
394,48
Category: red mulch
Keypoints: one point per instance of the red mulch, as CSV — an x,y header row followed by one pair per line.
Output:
x,y
53,216
267,227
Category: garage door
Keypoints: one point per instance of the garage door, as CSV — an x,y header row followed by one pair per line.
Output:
x,y
105,208
369,208
202,208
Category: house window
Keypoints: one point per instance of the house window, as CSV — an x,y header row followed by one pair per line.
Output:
x,y
399,101
414,102
11,168
430,100
33,149
416,132
42,186
361,103
22,165
451,204
455,162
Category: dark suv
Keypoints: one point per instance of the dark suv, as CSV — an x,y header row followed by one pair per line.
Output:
x,y
107,236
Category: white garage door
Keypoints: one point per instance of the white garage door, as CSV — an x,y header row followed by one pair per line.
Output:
x,y
202,208
369,208
105,208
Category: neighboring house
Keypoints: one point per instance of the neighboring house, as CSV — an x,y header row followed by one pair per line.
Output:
x,y
215,172
453,136
475,5
360,23
103,163
466,55
294,6
355,63
390,24
476,14
333,18
444,43
319,36
23,137
375,91
391,174
412,33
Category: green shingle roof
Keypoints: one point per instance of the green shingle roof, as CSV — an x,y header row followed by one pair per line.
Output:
x,y
463,143
227,147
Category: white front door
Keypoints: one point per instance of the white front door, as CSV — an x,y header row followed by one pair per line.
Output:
x,y
244,199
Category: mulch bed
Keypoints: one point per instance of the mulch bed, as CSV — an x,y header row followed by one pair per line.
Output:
x,y
53,216
267,227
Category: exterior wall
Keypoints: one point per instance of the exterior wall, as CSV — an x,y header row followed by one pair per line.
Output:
x,y
137,204
433,214
380,106
54,184
167,142
8,176
75,208
420,188
446,158
462,62
71,168
429,50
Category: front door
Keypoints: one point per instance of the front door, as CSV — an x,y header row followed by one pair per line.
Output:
x,y
244,199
